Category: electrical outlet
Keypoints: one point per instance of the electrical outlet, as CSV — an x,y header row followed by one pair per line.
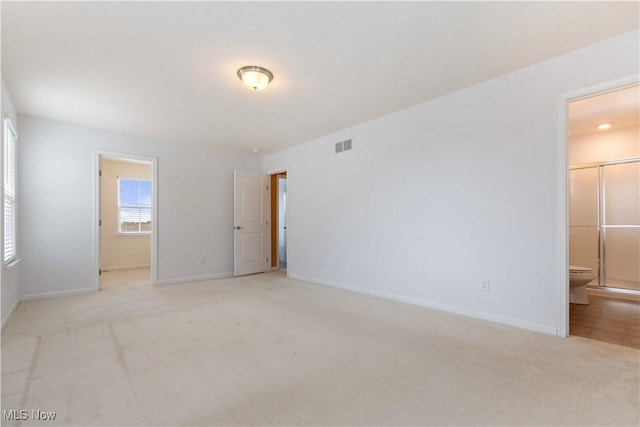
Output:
x,y
203,260
484,285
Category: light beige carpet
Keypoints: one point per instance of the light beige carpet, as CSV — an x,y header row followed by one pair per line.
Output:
x,y
266,350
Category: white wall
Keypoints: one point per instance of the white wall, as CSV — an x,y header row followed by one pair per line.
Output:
x,y
119,251
438,197
57,185
606,145
9,275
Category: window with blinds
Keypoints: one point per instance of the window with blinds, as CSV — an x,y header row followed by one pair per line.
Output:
x,y
134,206
10,193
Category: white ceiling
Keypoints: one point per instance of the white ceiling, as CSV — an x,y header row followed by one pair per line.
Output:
x,y
620,108
167,70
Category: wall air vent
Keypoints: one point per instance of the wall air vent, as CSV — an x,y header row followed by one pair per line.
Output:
x,y
343,145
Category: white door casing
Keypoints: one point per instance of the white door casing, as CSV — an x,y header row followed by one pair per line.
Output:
x,y
251,223
153,161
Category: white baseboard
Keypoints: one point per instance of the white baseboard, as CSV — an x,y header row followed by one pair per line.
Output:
x,y
125,267
8,316
194,278
522,324
58,294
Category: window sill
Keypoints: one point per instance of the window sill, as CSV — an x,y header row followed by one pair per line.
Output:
x,y
12,263
132,235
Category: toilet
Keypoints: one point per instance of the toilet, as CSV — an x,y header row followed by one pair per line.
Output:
x,y
578,279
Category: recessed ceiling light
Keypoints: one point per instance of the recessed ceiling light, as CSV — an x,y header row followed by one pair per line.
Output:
x,y
255,77
604,126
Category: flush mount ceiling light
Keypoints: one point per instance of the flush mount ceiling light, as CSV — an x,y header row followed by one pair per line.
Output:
x,y
604,126
254,77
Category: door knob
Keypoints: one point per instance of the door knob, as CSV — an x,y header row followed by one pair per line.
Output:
x,y
238,228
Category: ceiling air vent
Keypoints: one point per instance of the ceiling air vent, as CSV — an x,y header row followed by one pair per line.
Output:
x,y
343,145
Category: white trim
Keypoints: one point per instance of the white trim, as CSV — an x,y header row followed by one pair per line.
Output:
x,y
11,311
8,119
58,294
195,278
562,165
12,264
154,222
562,272
133,235
277,171
125,267
522,324
134,158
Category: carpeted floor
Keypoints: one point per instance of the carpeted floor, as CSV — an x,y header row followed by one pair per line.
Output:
x,y
267,350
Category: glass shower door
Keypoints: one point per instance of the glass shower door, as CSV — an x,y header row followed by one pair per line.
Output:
x,y
584,243
621,225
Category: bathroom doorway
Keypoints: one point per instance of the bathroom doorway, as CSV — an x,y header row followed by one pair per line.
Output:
x,y
604,187
279,221
603,153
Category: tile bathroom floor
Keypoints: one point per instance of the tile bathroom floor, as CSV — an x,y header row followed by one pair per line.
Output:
x,y
611,320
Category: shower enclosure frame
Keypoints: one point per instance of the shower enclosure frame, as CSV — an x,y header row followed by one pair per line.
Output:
x,y
601,217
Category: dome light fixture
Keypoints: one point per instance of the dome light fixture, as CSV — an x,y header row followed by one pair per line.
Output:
x,y
254,77
604,126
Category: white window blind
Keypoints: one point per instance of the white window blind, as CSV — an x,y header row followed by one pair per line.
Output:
x,y
134,205
10,193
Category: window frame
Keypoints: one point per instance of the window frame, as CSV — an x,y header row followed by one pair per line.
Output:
x,y
140,232
10,191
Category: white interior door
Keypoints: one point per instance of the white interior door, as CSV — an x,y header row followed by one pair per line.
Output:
x,y
251,223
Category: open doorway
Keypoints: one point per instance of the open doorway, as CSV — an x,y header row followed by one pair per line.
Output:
x,y
279,221
126,223
603,159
